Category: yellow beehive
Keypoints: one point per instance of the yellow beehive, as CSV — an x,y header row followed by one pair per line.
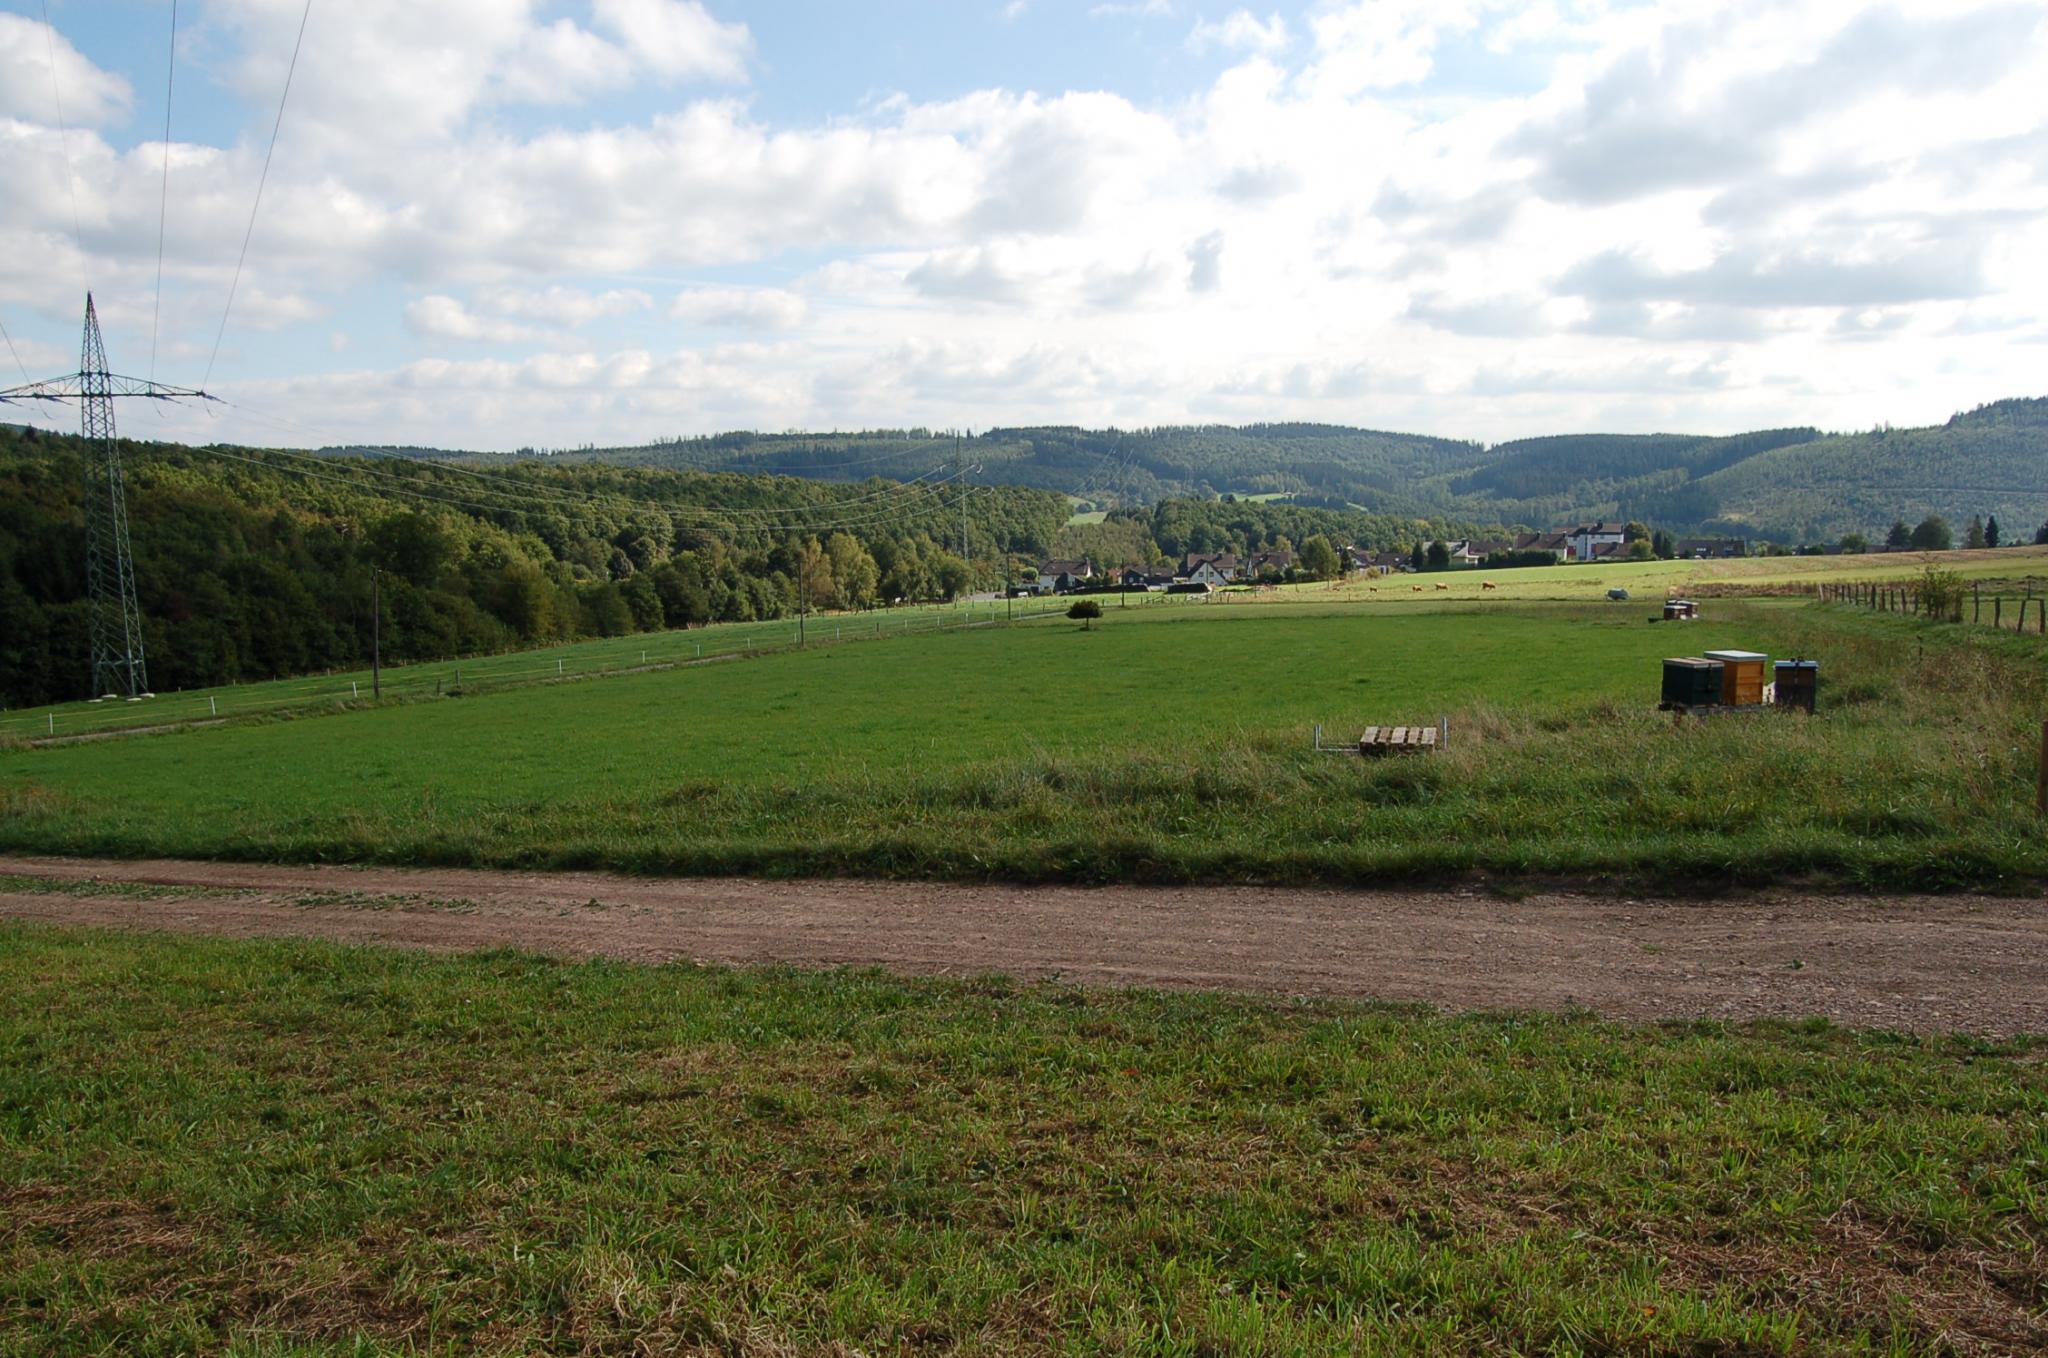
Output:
x,y
1742,676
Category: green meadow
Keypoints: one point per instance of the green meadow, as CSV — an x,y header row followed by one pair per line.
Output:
x,y
286,1148
1164,743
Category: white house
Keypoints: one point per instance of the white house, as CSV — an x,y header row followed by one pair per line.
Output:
x,y
1587,538
1057,577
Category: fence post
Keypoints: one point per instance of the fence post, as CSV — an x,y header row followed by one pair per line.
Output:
x,y
1997,609
2041,775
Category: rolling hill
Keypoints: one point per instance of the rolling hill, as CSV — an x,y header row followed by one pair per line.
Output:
x,y
1787,485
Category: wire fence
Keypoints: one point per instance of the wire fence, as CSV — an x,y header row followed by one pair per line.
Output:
x,y
641,653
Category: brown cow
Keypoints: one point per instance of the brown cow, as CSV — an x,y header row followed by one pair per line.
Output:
x,y
1416,588
1443,586
1488,584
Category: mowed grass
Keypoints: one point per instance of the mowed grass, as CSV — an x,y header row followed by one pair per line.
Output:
x,y
602,658
1163,745
269,1148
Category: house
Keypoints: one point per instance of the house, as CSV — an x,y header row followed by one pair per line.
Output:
x,y
1146,577
1224,565
1707,549
1588,536
1366,559
1557,544
1462,553
1258,563
1214,572
1057,577
1489,547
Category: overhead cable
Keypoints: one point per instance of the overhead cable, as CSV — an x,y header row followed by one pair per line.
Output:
x,y
261,180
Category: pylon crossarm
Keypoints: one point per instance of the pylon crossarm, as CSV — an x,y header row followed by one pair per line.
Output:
x,y
72,386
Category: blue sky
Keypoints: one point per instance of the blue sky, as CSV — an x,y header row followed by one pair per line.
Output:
x,y
494,223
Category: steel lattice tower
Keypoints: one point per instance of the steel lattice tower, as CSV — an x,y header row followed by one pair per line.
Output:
x,y
114,618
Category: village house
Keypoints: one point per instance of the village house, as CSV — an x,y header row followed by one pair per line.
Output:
x,y
1557,543
1146,577
1226,565
1704,549
1587,538
1258,563
1057,577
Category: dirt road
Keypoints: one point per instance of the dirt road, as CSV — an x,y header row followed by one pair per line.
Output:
x,y
1923,963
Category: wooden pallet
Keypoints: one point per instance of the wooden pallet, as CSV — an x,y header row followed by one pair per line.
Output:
x,y
1379,740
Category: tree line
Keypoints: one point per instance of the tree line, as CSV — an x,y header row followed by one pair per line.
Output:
x,y
254,565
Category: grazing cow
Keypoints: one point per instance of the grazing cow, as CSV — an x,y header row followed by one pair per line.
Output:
x,y
1416,588
1443,586
1488,584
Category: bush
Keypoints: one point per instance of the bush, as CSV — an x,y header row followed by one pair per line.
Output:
x,y
1942,594
1084,609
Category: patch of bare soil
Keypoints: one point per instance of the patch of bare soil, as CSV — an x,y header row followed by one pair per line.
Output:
x,y
1918,963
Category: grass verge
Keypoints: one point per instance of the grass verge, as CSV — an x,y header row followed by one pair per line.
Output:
x,y
288,1147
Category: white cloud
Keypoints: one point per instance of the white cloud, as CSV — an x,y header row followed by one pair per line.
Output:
x,y
1781,210
678,38
740,308
90,96
439,317
563,306
1241,31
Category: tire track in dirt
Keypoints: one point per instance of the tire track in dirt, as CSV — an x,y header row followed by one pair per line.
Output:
x,y
1919,963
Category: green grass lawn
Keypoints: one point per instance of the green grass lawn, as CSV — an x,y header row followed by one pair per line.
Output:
x,y
1164,743
582,659
271,1148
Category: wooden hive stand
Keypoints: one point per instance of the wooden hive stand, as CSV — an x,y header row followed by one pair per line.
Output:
x,y
1381,740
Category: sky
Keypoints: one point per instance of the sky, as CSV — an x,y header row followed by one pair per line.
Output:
x,y
518,223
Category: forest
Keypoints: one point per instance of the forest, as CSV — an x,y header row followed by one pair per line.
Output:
x,y
1786,485
255,564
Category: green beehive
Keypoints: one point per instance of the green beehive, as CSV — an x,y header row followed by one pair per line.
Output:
x,y
1692,681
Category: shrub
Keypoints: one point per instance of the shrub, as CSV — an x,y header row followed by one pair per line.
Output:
x,y
1941,594
1084,609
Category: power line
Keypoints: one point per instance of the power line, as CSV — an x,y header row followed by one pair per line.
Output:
x,y
64,141
261,180
164,200
16,352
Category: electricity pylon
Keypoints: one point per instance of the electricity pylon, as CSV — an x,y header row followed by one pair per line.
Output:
x,y
114,620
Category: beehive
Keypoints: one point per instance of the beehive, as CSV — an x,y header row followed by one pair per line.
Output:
x,y
1690,681
1742,676
1798,682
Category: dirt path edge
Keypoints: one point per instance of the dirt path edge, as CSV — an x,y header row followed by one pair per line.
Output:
x,y
1914,963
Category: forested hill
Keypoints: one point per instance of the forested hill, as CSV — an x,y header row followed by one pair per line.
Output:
x,y
1788,485
1389,473
1990,461
252,564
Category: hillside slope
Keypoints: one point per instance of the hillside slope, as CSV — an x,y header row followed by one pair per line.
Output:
x,y
1788,485
1384,472
1992,461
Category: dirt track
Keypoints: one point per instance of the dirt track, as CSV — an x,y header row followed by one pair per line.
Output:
x,y
1924,963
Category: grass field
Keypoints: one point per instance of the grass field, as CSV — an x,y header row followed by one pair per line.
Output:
x,y
577,660
1162,744
265,1148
